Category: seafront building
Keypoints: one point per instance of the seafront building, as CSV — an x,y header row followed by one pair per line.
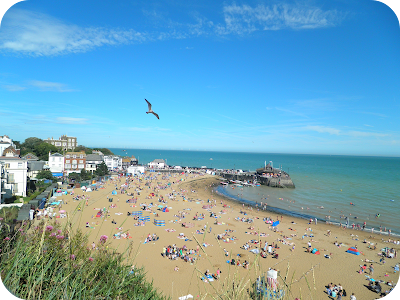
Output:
x,y
129,161
74,162
64,142
56,164
6,142
92,161
157,164
14,176
113,162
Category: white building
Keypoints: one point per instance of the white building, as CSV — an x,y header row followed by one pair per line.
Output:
x,y
92,161
56,164
135,170
14,177
113,162
157,164
5,142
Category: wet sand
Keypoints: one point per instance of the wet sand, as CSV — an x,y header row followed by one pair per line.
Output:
x,y
299,265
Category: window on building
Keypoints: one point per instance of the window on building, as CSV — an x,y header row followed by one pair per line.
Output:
x,y
19,165
81,156
74,156
67,161
68,156
10,177
6,166
81,161
74,161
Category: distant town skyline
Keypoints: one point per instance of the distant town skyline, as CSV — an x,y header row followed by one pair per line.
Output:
x,y
317,77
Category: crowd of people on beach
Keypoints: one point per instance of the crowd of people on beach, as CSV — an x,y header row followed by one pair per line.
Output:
x,y
265,249
173,252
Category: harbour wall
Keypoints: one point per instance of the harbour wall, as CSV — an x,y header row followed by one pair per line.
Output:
x,y
280,182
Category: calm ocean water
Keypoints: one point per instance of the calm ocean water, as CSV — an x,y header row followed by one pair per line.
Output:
x,y
330,181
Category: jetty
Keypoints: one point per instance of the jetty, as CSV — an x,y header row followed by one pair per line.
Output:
x,y
267,175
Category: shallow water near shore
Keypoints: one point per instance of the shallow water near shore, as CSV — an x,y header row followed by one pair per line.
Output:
x,y
330,181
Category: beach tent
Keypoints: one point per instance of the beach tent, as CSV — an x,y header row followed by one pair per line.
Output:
x,y
189,296
88,189
114,192
165,209
353,250
315,251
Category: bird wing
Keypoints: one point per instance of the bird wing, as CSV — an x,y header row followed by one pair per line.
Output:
x,y
148,104
156,115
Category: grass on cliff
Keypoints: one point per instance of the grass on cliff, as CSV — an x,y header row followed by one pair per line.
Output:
x,y
49,262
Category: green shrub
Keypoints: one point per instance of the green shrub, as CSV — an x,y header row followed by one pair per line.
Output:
x,y
48,262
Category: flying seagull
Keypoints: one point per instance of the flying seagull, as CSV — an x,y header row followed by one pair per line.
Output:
x,y
150,110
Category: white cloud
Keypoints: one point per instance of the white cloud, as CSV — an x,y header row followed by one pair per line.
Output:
x,y
241,19
323,129
13,87
46,86
39,34
351,133
69,120
366,134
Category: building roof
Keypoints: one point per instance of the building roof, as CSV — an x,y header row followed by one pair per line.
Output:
x,y
76,153
56,154
12,150
93,157
159,161
30,156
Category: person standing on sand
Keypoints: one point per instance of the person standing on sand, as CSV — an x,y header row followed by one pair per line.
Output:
x,y
371,269
353,297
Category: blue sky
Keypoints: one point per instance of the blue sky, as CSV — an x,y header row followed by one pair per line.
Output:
x,y
316,77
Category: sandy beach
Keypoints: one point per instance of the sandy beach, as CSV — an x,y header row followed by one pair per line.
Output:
x,y
185,195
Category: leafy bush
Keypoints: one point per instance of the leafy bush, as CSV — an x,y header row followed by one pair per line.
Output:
x,y
49,262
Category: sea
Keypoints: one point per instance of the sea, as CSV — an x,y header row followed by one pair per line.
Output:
x,y
361,188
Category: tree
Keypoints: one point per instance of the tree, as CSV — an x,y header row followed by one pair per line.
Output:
x,y
85,175
74,176
44,174
101,169
29,145
83,148
42,150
